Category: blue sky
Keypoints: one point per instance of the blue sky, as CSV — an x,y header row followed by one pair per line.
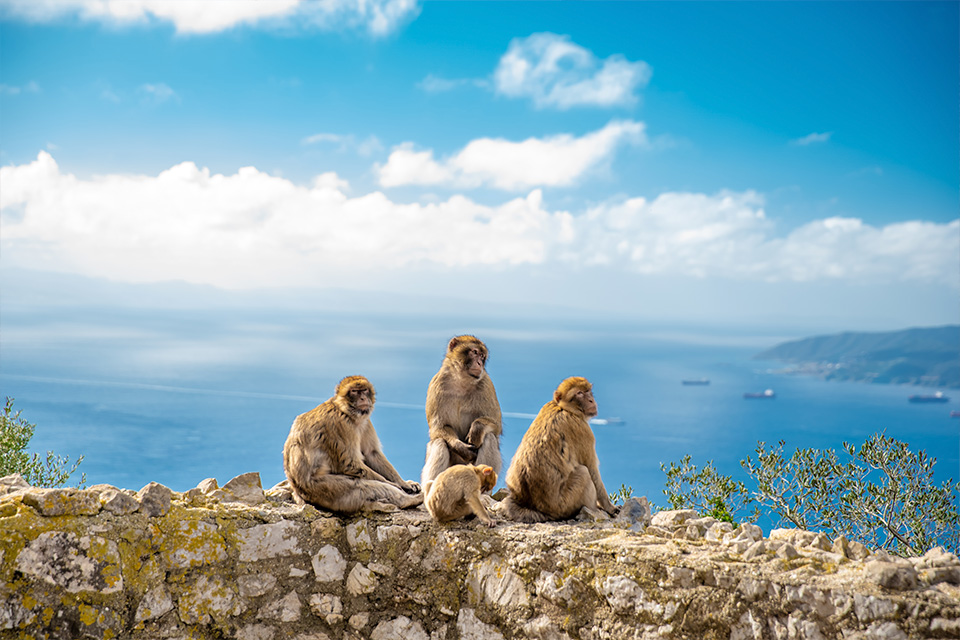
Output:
x,y
674,160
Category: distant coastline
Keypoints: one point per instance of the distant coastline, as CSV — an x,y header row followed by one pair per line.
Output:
x,y
921,356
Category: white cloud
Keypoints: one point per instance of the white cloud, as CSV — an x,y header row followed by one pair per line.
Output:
x,y
378,17
556,161
157,93
436,84
12,90
812,138
554,72
251,229
366,147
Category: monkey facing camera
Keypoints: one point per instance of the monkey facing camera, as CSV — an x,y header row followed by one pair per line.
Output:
x,y
333,458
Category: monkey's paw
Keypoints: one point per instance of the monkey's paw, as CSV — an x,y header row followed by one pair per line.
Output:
x,y
466,451
412,487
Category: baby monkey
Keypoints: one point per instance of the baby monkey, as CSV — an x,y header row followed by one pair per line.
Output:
x,y
456,493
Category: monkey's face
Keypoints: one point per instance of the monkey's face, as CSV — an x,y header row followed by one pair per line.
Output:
x,y
584,398
472,359
475,361
360,399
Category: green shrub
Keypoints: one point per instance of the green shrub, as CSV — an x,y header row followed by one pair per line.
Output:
x,y
706,491
621,495
15,435
881,494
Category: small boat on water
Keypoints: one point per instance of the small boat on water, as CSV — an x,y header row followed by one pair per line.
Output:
x,y
759,394
955,414
936,397
606,421
695,382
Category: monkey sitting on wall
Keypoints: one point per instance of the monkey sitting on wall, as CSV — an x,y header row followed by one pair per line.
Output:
x,y
334,460
555,471
456,493
463,413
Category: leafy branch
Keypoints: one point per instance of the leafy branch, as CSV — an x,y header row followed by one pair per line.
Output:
x,y
15,434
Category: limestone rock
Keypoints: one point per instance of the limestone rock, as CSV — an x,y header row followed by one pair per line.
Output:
x,y
361,580
154,499
210,569
269,541
256,584
208,600
117,502
493,581
359,620
192,543
73,563
62,502
358,535
329,564
891,576
470,627
674,518
245,488
327,606
659,532
208,486
155,604
256,632
543,628
286,609
401,628
12,483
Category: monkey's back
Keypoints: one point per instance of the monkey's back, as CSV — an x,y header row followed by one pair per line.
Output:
x,y
544,458
450,490
317,442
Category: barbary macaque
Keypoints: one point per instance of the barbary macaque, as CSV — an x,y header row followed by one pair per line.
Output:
x,y
463,413
555,472
456,493
333,458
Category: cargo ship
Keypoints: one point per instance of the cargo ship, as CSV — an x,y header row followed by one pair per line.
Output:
x,y
696,382
760,394
936,397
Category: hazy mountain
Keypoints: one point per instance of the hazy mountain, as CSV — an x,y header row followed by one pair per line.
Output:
x,y
928,356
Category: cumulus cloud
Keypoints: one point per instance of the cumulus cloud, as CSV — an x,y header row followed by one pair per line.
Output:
x,y
251,229
812,138
554,72
555,161
378,17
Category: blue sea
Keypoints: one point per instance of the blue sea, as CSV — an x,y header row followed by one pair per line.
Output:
x,y
179,396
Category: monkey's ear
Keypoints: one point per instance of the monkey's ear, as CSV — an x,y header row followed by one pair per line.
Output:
x,y
453,343
488,471
557,396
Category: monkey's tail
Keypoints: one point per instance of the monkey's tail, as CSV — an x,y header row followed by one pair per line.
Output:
x,y
519,513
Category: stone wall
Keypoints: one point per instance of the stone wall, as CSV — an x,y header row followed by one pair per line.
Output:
x,y
236,562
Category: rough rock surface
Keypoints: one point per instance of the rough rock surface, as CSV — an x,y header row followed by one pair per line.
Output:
x,y
246,564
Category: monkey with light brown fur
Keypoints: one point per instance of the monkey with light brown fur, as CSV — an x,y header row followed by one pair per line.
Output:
x,y
463,412
456,493
334,460
555,471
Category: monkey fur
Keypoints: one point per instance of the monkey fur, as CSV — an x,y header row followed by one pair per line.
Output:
x,y
456,493
333,458
555,471
463,413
